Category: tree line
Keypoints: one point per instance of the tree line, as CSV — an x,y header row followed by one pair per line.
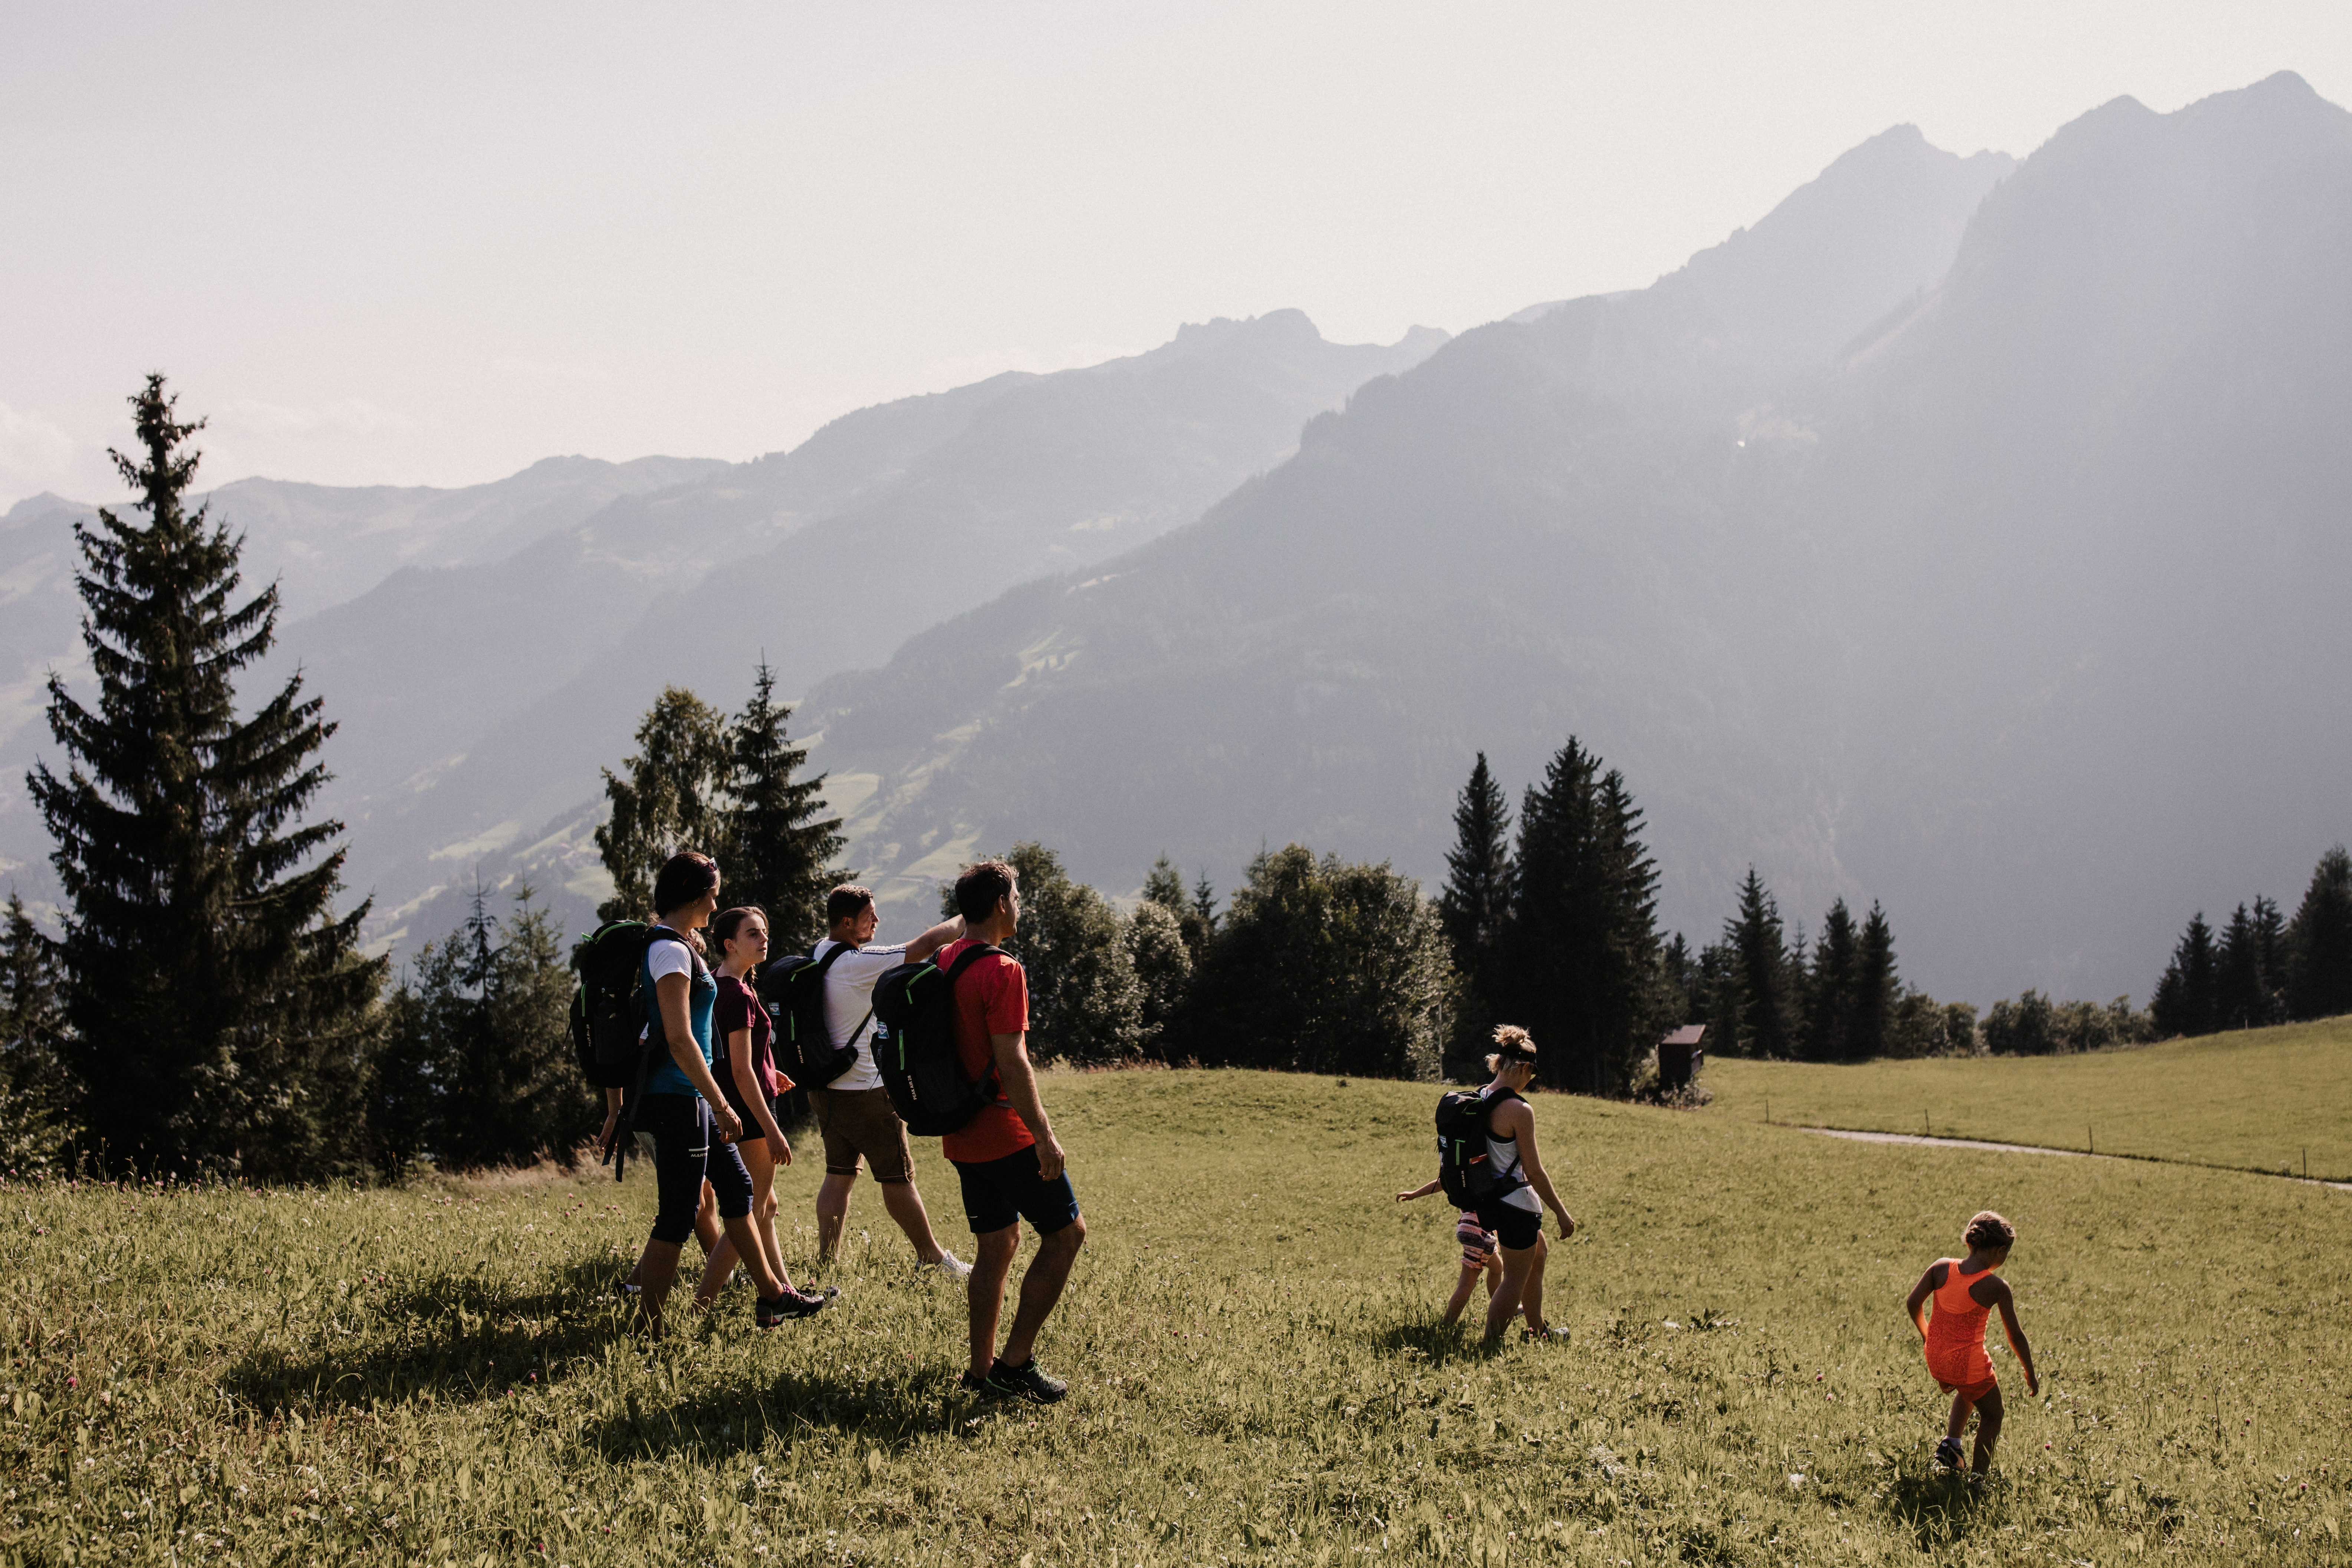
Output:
x,y
203,1009
2261,968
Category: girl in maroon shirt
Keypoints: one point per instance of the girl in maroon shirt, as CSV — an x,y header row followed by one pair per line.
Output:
x,y
745,1067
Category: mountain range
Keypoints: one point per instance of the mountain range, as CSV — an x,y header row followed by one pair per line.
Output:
x,y
1966,534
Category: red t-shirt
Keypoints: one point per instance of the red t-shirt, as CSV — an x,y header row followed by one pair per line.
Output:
x,y
992,997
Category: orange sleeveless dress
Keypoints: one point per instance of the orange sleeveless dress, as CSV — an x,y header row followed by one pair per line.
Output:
x,y
1956,1335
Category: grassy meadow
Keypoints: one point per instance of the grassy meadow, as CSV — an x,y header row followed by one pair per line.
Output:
x,y
438,1375
2257,1099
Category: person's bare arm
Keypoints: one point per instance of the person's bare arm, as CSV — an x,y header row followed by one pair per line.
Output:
x,y
755,1095
2007,1301
1914,1307
1419,1192
937,937
1514,1120
670,991
1020,1081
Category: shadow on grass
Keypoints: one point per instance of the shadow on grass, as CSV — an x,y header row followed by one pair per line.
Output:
x,y
886,1413
1434,1342
462,1336
1940,1508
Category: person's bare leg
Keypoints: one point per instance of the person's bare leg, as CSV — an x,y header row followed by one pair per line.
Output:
x,y
745,1243
906,1206
1988,1414
831,1212
1466,1283
991,1261
1040,1287
763,1166
1962,1405
1516,1263
657,1269
1531,1293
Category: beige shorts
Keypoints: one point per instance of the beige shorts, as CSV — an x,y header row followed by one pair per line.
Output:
x,y
860,1122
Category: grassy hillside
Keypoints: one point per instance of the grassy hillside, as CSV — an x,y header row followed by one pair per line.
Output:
x,y
2258,1100
435,1374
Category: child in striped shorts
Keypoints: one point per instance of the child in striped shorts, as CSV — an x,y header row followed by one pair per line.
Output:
x,y
1481,1254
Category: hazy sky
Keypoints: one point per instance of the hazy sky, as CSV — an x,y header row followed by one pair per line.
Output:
x,y
421,244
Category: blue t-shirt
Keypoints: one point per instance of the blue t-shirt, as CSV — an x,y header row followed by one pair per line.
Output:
x,y
701,995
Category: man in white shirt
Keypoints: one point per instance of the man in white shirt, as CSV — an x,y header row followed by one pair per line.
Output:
x,y
854,1111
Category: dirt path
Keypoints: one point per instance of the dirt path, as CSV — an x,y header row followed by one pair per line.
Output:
x,y
2016,1149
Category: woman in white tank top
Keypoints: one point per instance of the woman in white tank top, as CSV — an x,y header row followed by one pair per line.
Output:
x,y
1515,1215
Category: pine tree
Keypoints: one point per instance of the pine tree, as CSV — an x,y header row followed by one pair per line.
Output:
x,y
232,1019
2184,996
1877,987
1475,906
1830,997
2319,941
1164,885
1760,973
1582,934
1204,904
779,845
2241,990
37,1092
672,799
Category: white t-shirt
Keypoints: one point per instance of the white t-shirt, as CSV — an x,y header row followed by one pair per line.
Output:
x,y
849,1005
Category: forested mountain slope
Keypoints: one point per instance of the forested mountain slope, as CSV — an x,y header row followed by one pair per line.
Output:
x,y
2007,591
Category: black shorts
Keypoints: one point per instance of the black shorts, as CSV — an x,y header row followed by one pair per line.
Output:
x,y
1515,1227
996,1192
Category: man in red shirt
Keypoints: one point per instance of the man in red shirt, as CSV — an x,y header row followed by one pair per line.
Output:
x,y
1011,1166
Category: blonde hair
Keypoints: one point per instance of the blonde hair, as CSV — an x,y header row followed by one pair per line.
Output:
x,y
1513,1046
1987,1230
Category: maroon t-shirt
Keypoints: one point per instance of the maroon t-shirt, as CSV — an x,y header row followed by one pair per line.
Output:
x,y
738,1008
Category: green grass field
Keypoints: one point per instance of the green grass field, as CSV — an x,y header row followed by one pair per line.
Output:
x,y
436,1375
2263,1100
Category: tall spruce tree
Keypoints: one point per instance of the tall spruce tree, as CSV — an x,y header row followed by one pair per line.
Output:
x,y
1475,906
226,1018
2245,991
672,798
779,846
2319,941
2186,995
1764,1012
1582,936
1830,997
1877,987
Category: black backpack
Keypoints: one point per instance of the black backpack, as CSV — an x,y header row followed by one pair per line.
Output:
x,y
915,1046
1467,1176
792,990
608,1004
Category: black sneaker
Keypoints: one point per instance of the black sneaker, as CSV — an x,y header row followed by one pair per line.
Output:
x,y
1027,1381
1949,1455
790,1305
976,1387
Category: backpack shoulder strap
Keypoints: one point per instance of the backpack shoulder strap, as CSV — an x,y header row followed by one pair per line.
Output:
x,y
968,957
826,962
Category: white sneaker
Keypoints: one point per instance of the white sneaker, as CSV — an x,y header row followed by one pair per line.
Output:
x,y
951,1265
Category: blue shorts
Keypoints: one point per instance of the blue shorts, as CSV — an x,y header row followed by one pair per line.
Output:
x,y
998,1193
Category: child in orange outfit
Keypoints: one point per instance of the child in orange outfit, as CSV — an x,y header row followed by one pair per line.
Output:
x,y
1965,1291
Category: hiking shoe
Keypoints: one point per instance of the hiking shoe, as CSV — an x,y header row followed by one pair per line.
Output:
x,y
976,1388
951,1265
790,1305
1027,1381
1949,1455
1544,1336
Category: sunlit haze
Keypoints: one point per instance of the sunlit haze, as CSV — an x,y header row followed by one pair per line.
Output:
x,y
432,244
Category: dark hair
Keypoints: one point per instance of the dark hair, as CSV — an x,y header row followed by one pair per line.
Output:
x,y
684,878
1511,1045
727,923
846,902
984,882
1987,1230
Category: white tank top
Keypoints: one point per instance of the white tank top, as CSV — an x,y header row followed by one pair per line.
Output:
x,y
1503,1159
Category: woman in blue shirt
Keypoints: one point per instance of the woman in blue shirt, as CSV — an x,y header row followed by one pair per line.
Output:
x,y
693,1128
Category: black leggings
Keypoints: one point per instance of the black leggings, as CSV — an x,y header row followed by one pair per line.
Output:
x,y
687,1152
